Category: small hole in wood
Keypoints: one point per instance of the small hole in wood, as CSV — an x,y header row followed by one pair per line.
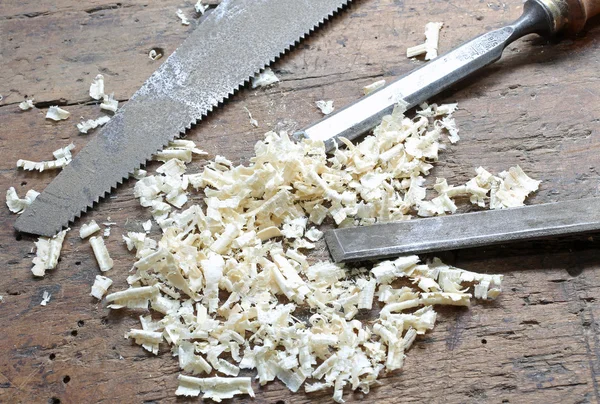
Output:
x,y
484,341
104,321
74,333
280,402
156,53
18,237
54,400
78,263
66,379
24,183
52,356
80,323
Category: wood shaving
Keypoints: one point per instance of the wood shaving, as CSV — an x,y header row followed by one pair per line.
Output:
x,y
264,79
139,173
100,286
101,253
17,205
514,186
90,124
200,8
326,107
28,165
154,55
373,87
508,189
97,87
430,47
62,157
314,234
139,242
182,17
88,229
47,253
437,206
149,340
57,114
215,388
64,152
45,298
25,105
147,226
109,103
189,361
133,298
180,149
253,121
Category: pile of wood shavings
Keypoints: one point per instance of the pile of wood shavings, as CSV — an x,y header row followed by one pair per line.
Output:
x,y
237,290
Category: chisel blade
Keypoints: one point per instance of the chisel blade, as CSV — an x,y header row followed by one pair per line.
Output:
x,y
466,230
426,81
236,41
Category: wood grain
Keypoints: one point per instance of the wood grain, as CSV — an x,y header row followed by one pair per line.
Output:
x,y
538,107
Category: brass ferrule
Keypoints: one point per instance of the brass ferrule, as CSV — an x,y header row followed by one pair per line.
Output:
x,y
565,15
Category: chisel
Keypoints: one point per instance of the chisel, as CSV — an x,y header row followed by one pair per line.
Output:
x,y
465,230
543,17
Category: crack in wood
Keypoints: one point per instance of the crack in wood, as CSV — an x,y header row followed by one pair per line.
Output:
x,y
112,6
61,102
32,14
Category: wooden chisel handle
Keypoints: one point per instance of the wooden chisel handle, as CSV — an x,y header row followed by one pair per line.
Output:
x,y
571,15
583,10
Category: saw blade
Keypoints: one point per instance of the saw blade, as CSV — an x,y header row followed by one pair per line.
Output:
x,y
233,43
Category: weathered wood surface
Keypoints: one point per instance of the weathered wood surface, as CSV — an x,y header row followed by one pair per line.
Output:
x,y
538,107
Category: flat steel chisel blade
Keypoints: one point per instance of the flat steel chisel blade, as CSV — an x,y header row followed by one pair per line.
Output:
x,y
233,43
465,230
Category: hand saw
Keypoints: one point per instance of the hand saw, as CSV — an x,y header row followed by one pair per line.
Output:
x,y
233,43
137,131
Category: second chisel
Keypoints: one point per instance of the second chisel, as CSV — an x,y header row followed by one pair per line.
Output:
x,y
464,230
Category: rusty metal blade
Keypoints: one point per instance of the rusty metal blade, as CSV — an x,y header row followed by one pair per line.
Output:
x,y
236,41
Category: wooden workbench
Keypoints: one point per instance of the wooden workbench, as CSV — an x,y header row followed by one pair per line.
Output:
x,y
539,108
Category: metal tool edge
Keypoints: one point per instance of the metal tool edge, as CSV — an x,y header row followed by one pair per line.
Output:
x,y
466,230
